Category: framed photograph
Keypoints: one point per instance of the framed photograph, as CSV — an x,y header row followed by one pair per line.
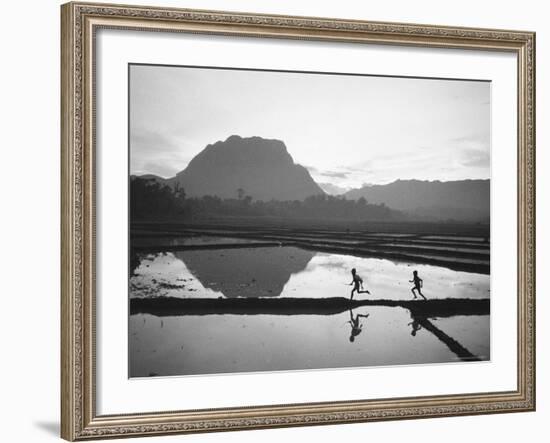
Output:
x,y
282,221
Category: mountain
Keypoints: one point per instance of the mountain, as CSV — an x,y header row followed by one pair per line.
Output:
x,y
331,189
260,168
467,200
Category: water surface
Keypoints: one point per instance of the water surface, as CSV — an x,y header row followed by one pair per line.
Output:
x,y
366,336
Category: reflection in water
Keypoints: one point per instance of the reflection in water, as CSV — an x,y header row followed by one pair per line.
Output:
x,y
356,327
217,344
244,341
462,328
454,346
459,350
242,272
291,272
246,272
415,324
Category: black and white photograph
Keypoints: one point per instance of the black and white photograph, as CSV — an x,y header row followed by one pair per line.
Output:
x,y
288,220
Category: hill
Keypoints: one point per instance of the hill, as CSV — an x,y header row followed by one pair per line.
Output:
x,y
465,200
254,166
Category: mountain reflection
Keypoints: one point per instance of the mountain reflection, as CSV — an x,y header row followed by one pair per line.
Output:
x,y
246,272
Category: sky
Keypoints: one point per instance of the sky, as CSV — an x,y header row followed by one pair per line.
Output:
x,y
347,130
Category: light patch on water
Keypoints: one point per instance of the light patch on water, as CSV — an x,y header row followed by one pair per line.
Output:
x,y
164,275
327,275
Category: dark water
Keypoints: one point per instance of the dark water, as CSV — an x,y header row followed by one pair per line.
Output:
x,y
367,336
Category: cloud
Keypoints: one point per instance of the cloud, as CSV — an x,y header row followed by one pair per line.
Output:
x,y
145,140
311,169
341,174
155,153
334,174
470,139
355,169
475,158
473,150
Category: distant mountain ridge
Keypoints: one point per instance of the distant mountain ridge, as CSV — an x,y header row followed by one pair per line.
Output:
x,y
460,200
264,170
254,166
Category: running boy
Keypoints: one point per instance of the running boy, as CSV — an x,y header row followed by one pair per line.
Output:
x,y
357,283
417,284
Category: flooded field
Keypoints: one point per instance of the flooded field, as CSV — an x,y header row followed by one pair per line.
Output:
x,y
307,321
457,247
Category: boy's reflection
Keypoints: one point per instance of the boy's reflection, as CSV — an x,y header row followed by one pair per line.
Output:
x,y
356,327
416,323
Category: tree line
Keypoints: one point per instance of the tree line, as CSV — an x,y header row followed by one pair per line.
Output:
x,y
150,199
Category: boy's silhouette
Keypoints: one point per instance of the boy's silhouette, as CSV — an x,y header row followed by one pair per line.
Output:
x,y
417,284
357,283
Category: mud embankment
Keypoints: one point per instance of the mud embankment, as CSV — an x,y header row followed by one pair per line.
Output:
x,y
171,306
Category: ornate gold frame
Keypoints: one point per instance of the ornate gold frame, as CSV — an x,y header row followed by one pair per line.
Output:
x,y
78,417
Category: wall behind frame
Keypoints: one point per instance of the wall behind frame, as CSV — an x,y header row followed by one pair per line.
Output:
x,y
29,222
